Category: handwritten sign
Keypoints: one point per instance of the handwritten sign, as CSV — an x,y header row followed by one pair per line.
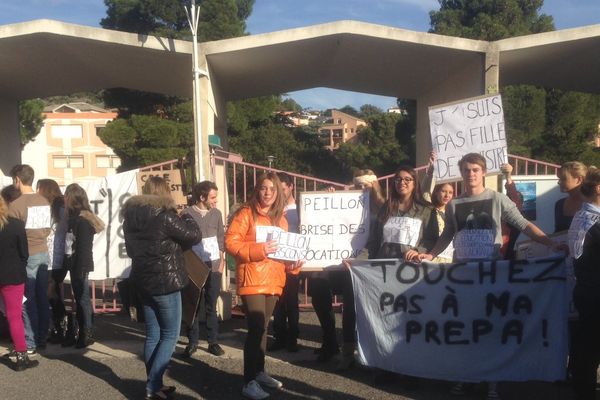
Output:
x,y
173,179
337,224
107,196
468,126
491,321
38,217
290,246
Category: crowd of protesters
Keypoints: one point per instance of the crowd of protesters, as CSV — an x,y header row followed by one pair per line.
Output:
x,y
44,235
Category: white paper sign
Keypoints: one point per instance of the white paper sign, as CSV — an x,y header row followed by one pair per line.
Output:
x,y
264,231
208,249
290,246
38,217
474,244
465,322
337,224
467,126
402,230
107,195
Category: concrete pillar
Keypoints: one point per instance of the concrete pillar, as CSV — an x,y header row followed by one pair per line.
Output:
x,y
492,70
9,135
468,81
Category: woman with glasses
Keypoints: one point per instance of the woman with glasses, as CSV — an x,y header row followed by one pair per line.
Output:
x,y
405,222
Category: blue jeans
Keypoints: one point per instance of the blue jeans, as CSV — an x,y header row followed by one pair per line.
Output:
x,y
81,293
163,321
211,291
36,310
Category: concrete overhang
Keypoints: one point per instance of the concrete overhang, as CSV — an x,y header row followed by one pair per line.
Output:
x,y
45,58
345,55
567,59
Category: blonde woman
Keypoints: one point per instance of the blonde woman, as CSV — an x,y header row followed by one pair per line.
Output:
x,y
154,236
570,177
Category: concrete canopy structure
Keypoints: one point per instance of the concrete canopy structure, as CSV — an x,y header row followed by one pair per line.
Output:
x,y
44,58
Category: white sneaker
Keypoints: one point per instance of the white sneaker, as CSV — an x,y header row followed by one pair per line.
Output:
x,y
268,381
252,390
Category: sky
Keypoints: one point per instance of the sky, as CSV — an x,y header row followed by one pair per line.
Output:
x,y
274,15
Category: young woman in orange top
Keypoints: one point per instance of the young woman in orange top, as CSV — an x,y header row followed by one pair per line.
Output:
x,y
260,279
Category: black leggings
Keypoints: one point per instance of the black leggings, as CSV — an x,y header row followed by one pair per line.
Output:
x,y
258,309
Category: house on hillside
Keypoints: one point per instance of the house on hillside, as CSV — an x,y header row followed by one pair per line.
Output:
x,y
68,148
341,128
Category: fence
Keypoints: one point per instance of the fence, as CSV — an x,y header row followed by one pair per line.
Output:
x,y
239,178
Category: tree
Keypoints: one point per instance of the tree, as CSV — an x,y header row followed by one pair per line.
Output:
x,y
31,119
377,147
490,20
172,116
347,109
144,139
290,104
369,110
219,19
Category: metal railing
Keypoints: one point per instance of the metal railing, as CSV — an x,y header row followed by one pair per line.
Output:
x,y
239,178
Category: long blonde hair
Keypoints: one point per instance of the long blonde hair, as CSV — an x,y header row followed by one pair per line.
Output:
x,y
3,213
575,168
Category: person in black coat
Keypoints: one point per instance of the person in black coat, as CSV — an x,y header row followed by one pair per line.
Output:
x,y
13,261
83,224
584,247
154,236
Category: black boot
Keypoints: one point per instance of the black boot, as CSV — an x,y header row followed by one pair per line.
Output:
x,y
58,334
71,334
85,338
23,362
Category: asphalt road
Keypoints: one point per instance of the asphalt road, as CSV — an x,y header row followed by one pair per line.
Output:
x,y
113,368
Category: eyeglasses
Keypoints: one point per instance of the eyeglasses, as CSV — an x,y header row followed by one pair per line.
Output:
x,y
405,180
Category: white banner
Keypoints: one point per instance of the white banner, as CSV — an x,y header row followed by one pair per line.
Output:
x,y
107,195
466,126
337,225
464,322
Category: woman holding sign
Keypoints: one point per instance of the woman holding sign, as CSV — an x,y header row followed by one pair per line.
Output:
x,y
260,279
406,222
584,246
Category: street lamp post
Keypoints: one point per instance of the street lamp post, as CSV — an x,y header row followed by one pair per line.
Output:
x,y
193,16
270,159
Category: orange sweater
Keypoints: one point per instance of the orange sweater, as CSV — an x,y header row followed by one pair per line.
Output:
x,y
255,273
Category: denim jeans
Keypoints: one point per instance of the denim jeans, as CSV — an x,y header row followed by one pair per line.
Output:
x,y
211,291
163,321
83,303
36,310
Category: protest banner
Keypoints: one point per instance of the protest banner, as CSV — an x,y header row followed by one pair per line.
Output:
x,y
473,125
466,322
530,250
107,196
173,179
337,225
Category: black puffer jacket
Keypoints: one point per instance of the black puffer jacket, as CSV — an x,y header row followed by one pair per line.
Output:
x,y
154,235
